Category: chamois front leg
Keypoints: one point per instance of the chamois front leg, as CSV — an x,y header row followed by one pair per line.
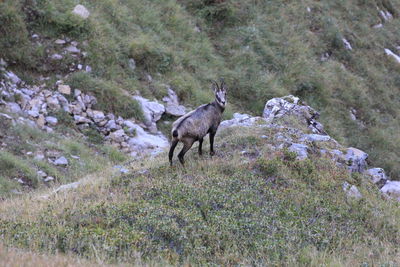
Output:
x,y
200,146
212,153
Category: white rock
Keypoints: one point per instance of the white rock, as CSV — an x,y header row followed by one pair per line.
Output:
x,y
356,159
51,120
98,116
242,120
53,103
392,188
41,174
72,49
80,119
64,89
377,175
59,41
386,15
347,44
144,140
152,112
377,26
393,55
77,93
48,179
81,11
33,113
132,64
13,107
351,191
56,56
300,149
61,161
316,138
12,77
67,187
117,136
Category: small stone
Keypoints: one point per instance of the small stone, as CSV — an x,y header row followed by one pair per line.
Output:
x,y
75,157
33,113
347,44
41,174
88,68
80,66
132,64
377,175
72,49
351,191
48,179
56,56
60,42
64,89
51,120
40,121
77,93
61,161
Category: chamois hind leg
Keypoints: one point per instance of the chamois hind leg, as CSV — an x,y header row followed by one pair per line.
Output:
x,y
171,150
212,144
200,146
187,144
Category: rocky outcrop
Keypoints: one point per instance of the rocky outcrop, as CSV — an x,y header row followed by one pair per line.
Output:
x,y
172,106
152,112
291,105
36,104
311,140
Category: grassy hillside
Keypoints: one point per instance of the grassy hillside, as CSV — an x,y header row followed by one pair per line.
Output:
x,y
261,207
262,48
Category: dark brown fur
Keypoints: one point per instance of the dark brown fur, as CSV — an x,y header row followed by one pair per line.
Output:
x,y
194,126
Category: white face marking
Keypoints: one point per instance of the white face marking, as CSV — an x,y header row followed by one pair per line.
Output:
x,y
220,96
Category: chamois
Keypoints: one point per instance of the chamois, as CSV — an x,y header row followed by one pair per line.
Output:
x,y
194,125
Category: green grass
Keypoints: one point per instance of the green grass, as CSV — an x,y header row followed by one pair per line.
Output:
x,y
273,210
262,49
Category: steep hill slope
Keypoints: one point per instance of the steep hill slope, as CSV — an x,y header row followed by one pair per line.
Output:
x,y
330,53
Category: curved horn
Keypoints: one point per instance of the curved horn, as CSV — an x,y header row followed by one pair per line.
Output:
x,y
216,83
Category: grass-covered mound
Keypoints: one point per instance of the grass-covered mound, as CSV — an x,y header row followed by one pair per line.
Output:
x,y
260,206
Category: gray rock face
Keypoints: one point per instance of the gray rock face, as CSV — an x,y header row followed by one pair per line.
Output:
x,y
316,138
290,105
243,120
377,175
172,104
300,149
392,189
356,159
152,112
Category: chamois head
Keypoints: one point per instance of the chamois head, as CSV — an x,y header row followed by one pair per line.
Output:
x,y
220,93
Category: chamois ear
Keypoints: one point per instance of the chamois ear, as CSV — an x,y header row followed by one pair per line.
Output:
x,y
223,86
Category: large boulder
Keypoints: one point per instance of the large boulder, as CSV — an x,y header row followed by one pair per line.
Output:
x,y
172,106
392,189
152,112
356,159
291,105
